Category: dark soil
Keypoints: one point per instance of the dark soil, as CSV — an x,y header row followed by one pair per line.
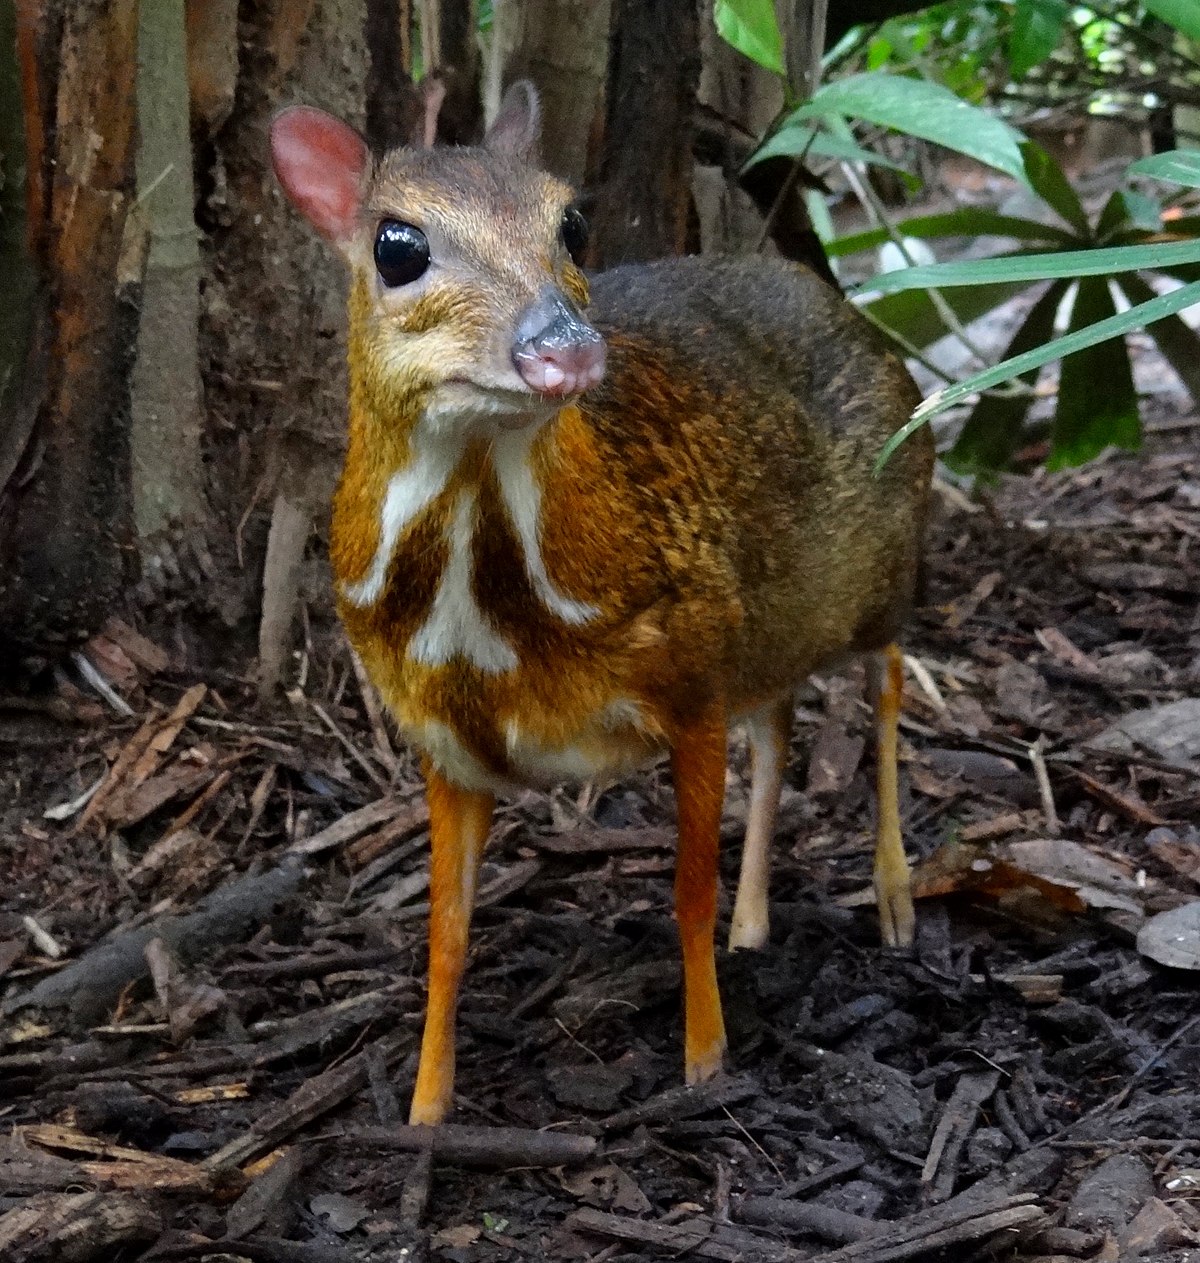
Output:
x,y
1023,1084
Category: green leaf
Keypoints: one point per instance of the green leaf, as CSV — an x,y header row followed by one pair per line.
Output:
x,y
1097,404
914,318
1179,345
1036,31
920,108
751,27
791,142
1115,326
1145,215
968,221
993,431
1047,180
1114,215
1178,166
1038,267
1183,15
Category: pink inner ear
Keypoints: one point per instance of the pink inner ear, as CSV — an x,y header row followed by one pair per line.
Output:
x,y
321,163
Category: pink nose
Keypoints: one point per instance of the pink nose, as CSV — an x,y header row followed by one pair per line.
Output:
x,y
556,351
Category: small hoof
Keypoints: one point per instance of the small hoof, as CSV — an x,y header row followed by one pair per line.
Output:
x,y
752,936
702,1068
427,1113
897,917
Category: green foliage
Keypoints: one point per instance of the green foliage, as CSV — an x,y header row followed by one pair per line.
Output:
x,y
918,108
1096,405
920,75
1183,15
1178,166
751,27
1037,30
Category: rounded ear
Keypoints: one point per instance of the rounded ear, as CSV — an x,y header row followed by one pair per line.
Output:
x,y
518,124
321,164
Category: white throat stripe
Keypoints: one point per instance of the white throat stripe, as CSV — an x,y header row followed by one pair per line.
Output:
x,y
456,625
523,499
409,492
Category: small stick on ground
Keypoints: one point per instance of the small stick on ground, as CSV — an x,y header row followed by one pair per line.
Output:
x,y
687,1102
1037,758
418,1183
310,1100
499,1148
89,986
953,1130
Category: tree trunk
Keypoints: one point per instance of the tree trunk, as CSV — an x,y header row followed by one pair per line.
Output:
x,y
65,505
168,486
457,66
274,312
645,199
739,209
562,47
393,106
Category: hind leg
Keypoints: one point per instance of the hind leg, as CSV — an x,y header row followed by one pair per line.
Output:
x,y
769,729
893,882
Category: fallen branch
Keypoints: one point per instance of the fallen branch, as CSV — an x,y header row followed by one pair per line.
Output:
x,y
89,987
74,1227
498,1148
683,1102
696,1238
808,1219
310,1100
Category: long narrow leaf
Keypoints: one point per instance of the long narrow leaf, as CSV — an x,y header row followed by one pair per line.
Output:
x,y
1179,344
791,142
1038,267
969,221
1097,404
993,431
1183,15
752,28
1115,326
1047,180
923,109
1179,166
913,316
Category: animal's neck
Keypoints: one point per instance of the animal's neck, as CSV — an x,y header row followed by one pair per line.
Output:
x,y
441,481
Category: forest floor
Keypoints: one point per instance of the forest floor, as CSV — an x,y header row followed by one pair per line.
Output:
x,y
213,967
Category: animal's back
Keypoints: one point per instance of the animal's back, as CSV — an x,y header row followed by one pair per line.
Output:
x,y
746,402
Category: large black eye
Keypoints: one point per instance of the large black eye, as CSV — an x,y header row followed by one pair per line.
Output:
x,y
401,253
574,234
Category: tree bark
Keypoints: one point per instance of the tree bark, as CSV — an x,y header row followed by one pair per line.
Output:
x,y
65,507
274,312
645,199
457,66
168,469
562,47
393,105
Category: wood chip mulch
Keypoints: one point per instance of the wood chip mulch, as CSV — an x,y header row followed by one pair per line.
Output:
x,y
212,922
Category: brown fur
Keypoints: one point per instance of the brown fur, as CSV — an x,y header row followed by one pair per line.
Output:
x,y
712,501
714,497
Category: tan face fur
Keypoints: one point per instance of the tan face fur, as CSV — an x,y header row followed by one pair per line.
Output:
x,y
494,227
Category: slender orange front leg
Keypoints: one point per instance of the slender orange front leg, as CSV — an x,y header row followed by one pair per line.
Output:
x,y
698,767
893,881
458,828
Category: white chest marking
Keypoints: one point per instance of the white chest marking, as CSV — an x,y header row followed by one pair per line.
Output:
x,y
409,492
456,626
523,499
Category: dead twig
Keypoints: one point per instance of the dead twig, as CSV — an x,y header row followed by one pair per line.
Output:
x,y
88,987
497,1148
